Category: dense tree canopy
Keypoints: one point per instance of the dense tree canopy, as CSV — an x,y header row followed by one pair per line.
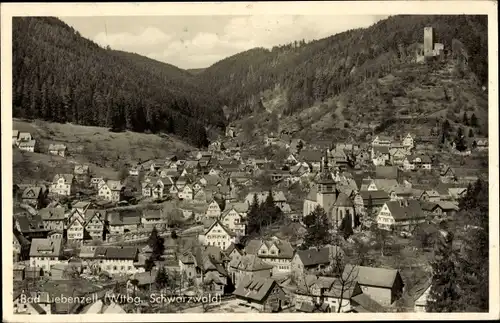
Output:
x,y
318,227
443,295
63,77
461,276
474,258
263,214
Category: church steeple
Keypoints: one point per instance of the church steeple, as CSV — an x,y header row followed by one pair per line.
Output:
x,y
325,182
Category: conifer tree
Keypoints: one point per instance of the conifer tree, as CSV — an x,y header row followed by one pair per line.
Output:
x,y
254,217
153,237
318,227
473,120
156,242
443,296
162,279
460,140
346,225
268,208
465,120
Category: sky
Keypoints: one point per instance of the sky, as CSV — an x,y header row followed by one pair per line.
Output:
x,y
200,41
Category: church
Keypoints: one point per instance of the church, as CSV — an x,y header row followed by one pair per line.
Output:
x,y
326,194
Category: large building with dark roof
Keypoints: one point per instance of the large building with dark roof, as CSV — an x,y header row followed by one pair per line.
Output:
x,y
248,267
117,260
382,285
263,294
314,260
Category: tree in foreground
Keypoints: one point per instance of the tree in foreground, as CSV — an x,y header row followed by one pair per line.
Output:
x,y
149,264
443,296
473,269
318,227
156,242
162,279
262,214
253,217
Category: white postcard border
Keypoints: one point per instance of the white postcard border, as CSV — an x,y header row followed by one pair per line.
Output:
x,y
258,8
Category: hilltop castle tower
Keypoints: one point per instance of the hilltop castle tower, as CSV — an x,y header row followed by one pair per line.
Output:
x,y
428,41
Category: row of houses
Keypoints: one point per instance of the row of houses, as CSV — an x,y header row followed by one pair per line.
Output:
x,y
185,185
259,275
392,203
47,254
265,267
24,141
65,185
84,222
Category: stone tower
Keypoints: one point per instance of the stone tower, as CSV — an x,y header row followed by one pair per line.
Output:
x,y
327,189
428,41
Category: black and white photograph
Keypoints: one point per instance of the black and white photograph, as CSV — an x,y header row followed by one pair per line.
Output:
x,y
229,161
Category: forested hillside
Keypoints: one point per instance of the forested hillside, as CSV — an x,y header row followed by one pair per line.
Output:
x,y
316,71
195,71
60,76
